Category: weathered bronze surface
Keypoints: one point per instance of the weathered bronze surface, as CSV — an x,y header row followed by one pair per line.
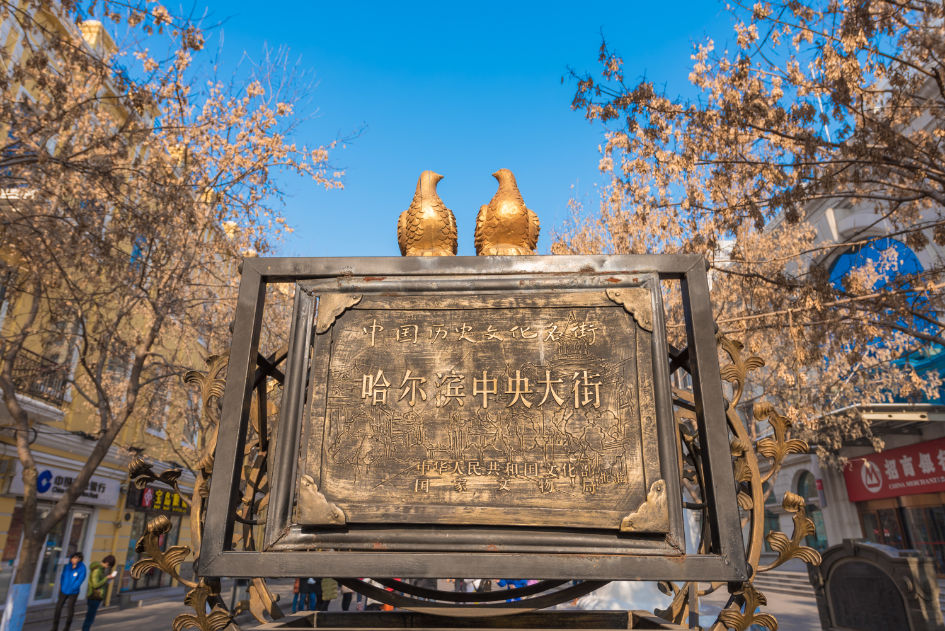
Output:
x,y
505,226
427,227
536,410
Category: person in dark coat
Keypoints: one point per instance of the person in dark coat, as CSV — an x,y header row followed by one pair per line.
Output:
x,y
70,582
310,592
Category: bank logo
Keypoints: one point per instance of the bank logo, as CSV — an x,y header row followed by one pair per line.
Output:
x,y
871,477
44,481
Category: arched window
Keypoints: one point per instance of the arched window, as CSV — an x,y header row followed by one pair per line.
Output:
x,y
906,263
897,267
772,521
807,488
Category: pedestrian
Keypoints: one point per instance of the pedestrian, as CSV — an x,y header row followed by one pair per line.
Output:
x,y
346,594
329,592
295,596
309,592
99,575
70,581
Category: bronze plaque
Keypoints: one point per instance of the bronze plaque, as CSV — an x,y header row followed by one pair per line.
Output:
x,y
526,410
475,416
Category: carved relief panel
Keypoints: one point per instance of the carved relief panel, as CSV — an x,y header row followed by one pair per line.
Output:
x,y
533,410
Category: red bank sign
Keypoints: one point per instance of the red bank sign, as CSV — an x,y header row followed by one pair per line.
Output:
x,y
918,468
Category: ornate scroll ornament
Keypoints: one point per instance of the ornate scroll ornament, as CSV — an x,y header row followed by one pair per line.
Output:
x,y
754,600
314,509
142,474
744,610
167,561
637,302
215,619
204,596
330,306
653,514
788,549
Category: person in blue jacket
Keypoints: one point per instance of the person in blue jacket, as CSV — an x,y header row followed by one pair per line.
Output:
x,y
70,582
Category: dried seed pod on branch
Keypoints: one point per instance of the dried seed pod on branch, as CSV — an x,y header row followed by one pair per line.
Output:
x,y
807,168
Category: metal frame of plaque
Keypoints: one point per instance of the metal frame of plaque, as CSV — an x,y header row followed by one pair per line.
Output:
x,y
477,416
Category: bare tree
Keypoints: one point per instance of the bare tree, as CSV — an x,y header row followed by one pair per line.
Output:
x,y
819,112
126,206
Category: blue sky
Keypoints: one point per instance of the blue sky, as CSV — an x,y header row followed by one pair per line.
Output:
x,y
462,90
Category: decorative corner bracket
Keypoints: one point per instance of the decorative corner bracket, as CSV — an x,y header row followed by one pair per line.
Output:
x,y
653,514
330,306
637,302
315,509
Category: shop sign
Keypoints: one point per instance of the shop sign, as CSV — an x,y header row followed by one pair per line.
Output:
x,y
52,482
908,470
156,498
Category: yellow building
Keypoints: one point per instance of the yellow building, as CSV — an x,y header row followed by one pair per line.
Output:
x,y
108,519
111,514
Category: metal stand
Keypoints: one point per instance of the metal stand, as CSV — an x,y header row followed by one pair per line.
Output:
x,y
536,621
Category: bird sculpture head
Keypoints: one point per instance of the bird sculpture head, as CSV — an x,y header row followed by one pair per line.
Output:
x,y
426,185
504,176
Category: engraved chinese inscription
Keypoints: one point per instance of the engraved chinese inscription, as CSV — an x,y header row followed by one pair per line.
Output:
x,y
454,408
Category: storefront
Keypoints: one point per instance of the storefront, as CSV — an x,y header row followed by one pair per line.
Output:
x,y
73,534
900,497
142,506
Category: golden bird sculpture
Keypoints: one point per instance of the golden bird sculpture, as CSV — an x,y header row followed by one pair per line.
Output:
x,y
428,227
505,225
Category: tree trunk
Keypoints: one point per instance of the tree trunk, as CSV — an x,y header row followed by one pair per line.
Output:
x,y
14,614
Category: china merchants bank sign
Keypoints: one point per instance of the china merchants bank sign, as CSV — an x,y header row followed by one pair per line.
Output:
x,y
52,483
918,468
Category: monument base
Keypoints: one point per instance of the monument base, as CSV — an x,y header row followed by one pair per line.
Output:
x,y
536,621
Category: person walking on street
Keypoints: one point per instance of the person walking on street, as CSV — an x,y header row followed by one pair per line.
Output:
x,y
295,596
346,595
70,581
310,590
99,575
329,593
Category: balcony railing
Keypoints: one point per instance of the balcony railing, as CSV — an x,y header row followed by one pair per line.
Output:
x,y
40,377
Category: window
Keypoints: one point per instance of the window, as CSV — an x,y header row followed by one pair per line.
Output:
x,y
118,364
894,258
154,423
807,487
772,521
55,340
14,172
192,419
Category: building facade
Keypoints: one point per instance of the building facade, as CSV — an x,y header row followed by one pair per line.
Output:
x,y
109,518
111,514
897,496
